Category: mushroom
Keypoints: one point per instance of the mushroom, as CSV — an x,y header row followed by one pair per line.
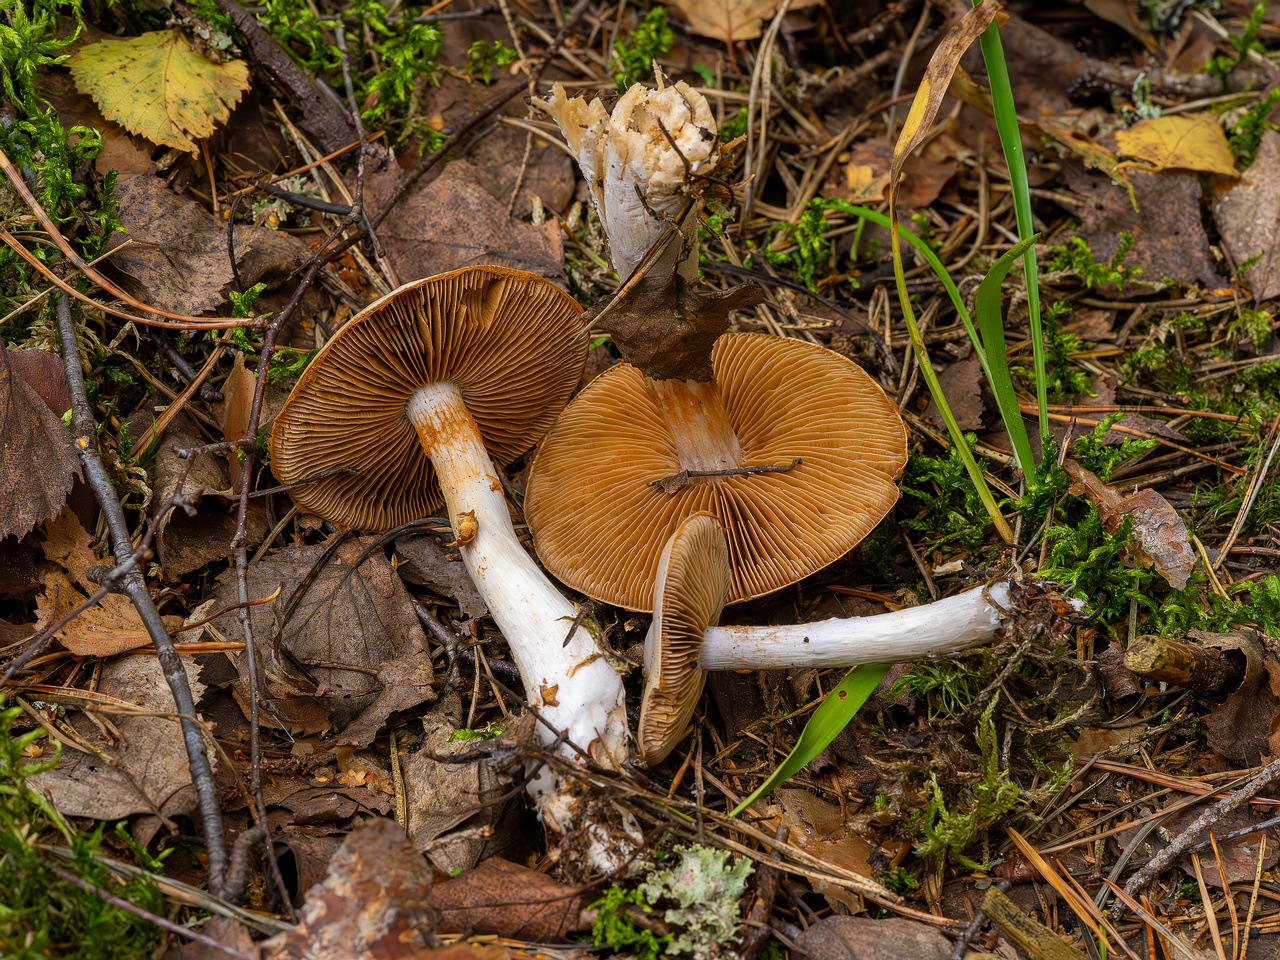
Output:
x,y
684,641
637,162
793,447
416,394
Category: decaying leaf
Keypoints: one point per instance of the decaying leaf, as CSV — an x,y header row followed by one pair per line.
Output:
x,y
1239,855
37,460
374,903
1248,217
1185,141
348,652
144,768
512,901
861,938
110,626
424,561
440,797
731,20
1159,534
156,85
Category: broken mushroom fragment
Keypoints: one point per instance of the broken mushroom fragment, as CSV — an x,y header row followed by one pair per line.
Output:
x,y
685,641
792,447
638,161
416,394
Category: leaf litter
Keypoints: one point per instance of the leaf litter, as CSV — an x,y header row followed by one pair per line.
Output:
x,y
909,796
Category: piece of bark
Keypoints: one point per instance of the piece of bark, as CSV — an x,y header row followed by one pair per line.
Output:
x,y
1031,936
322,116
1203,669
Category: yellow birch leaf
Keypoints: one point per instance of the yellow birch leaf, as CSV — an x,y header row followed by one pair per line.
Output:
x,y
159,87
1185,142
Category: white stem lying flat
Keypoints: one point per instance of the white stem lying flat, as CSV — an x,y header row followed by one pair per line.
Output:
x,y
930,630
568,682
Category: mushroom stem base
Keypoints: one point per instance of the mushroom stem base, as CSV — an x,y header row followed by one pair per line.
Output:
x,y
567,677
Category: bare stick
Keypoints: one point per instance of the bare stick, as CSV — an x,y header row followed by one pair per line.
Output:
x,y
679,480
84,430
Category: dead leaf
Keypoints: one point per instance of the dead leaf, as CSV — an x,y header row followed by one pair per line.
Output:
x,y
730,20
861,938
374,903
38,462
1241,727
1159,535
512,901
177,253
440,797
936,79
865,178
1239,855
962,386
1179,141
351,653
454,222
425,562
222,929
666,328
1248,218
151,760
158,86
1168,233
1092,155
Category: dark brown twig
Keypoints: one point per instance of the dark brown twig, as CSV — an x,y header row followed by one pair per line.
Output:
x,y
678,481
84,430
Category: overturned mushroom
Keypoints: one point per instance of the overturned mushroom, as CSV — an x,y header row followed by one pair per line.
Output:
x,y
685,642
793,447
416,394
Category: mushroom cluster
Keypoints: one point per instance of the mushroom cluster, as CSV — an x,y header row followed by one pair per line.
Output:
x,y
718,467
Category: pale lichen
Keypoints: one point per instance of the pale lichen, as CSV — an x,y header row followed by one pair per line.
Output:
x,y
706,891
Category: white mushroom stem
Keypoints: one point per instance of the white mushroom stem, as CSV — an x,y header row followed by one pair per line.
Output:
x,y
568,681
912,633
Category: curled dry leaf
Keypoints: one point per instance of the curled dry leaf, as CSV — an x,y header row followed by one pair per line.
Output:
x,y
1159,535
37,460
159,87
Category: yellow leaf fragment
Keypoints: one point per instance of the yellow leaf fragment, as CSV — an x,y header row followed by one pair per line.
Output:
x,y
159,87
730,20
1185,142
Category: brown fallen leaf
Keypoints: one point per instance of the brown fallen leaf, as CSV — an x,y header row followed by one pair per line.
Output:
x,y
443,797
350,653
730,20
110,626
150,761
1239,855
424,561
158,86
38,463
454,222
374,903
512,901
861,938
177,254
1178,141
1248,218
1159,534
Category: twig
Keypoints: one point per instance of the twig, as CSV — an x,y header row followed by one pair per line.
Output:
x,y
1183,841
677,481
161,922
85,431
1255,484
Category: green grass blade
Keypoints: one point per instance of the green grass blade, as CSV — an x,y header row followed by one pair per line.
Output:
x,y
991,324
1006,113
931,258
831,716
939,398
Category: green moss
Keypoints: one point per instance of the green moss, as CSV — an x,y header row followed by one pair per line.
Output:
x,y
633,57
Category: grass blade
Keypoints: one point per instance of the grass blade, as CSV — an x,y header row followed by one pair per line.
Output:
x,y
991,323
831,716
1006,113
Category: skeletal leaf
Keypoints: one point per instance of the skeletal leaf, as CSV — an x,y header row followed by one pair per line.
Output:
x,y
157,85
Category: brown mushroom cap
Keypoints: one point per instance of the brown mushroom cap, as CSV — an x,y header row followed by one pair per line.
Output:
x,y
510,341
688,594
597,521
